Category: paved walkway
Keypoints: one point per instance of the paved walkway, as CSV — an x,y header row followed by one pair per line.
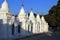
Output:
x,y
44,36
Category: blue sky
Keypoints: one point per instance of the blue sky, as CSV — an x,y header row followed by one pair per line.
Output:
x,y
38,6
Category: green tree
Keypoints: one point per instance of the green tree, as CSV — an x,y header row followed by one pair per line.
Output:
x,y
53,18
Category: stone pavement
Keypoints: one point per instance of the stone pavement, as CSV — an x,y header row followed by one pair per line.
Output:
x,y
44,36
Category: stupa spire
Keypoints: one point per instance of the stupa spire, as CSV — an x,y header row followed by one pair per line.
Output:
x,y
22,4
5,0
38,17
31,11
31,14
5,6
22,11
43,20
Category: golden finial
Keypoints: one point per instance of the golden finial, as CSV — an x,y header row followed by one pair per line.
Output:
x,y
22,4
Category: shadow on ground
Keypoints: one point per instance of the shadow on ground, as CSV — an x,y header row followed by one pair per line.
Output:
x,y
44,36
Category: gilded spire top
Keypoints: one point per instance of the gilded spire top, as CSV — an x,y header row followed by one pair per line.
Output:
x,y
5,0
22,4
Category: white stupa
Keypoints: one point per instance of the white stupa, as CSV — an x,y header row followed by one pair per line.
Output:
x,y
4,6
38,18
21,25
43,20
31,17
22,11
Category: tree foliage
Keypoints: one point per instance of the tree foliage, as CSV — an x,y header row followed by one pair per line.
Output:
x,y
53,18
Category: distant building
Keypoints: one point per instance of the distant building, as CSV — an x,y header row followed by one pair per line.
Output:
x,y
20,25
